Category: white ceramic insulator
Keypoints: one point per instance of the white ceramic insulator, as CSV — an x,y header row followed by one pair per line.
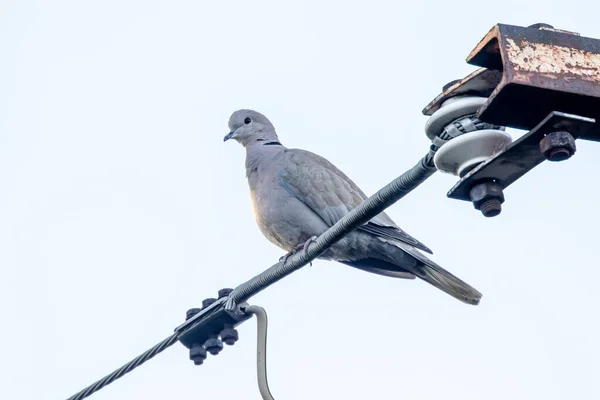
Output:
x,y
452,109
461,154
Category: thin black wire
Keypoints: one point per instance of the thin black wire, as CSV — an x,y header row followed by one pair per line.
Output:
x,y
130,366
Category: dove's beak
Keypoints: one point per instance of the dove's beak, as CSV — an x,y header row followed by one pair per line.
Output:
x,y
228,136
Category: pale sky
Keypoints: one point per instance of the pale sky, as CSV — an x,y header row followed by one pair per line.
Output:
x,y
121,207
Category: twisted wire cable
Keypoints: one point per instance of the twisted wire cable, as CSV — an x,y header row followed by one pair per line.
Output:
x,y
130,366
360,215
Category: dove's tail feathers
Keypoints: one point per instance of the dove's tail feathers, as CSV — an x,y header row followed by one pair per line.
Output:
x,y
429,272
380,267
446,282
435,275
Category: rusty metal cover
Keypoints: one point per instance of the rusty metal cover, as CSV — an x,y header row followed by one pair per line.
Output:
x,y
481,82
543,70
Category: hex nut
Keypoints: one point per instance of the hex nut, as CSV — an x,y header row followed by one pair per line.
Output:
x,y
488,198
229,336
541,25
558,146
208,302
191,312
198,354
213,346
224,292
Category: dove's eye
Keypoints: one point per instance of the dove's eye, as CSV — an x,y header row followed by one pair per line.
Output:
x,y
247,120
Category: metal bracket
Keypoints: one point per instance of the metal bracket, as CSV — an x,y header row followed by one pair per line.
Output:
x,y
528,73
209,322
543,70
521,155
481,82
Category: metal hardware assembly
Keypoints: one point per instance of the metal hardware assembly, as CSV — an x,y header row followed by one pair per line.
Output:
x,y
540,79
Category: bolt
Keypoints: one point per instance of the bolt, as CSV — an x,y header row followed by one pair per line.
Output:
x,y
488,198
558,146
449,84
491,208
208,302
224,292
540,26
229,335
191,312
559,155
213,345
197,354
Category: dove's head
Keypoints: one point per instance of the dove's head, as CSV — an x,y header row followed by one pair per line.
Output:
x,y
248,126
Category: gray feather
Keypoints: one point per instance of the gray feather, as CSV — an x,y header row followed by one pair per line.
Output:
x,y
380,268
331,194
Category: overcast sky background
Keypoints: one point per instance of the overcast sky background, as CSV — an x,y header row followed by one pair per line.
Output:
x,y
121,207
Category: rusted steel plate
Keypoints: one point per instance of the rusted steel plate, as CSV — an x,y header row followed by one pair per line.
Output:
x,y
481,82
543,70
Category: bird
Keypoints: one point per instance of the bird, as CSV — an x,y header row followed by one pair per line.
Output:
x,y
296,195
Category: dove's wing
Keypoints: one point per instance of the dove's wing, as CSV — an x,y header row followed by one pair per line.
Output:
x,y
329,193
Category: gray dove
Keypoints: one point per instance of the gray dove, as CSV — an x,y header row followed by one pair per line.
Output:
x,y
297,195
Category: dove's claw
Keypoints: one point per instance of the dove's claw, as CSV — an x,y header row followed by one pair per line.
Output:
x,y
284,257
310,240
305,245
301,246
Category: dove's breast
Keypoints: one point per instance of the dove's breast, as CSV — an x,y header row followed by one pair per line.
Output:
x,y
281,217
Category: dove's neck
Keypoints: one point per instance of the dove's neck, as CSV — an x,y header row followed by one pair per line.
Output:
x,y
258,136
259,156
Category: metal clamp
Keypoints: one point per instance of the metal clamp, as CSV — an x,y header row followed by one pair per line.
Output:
x,y
207,328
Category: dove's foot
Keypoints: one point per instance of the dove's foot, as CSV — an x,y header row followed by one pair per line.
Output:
x,y
301,246
284,257
310,240
304,246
